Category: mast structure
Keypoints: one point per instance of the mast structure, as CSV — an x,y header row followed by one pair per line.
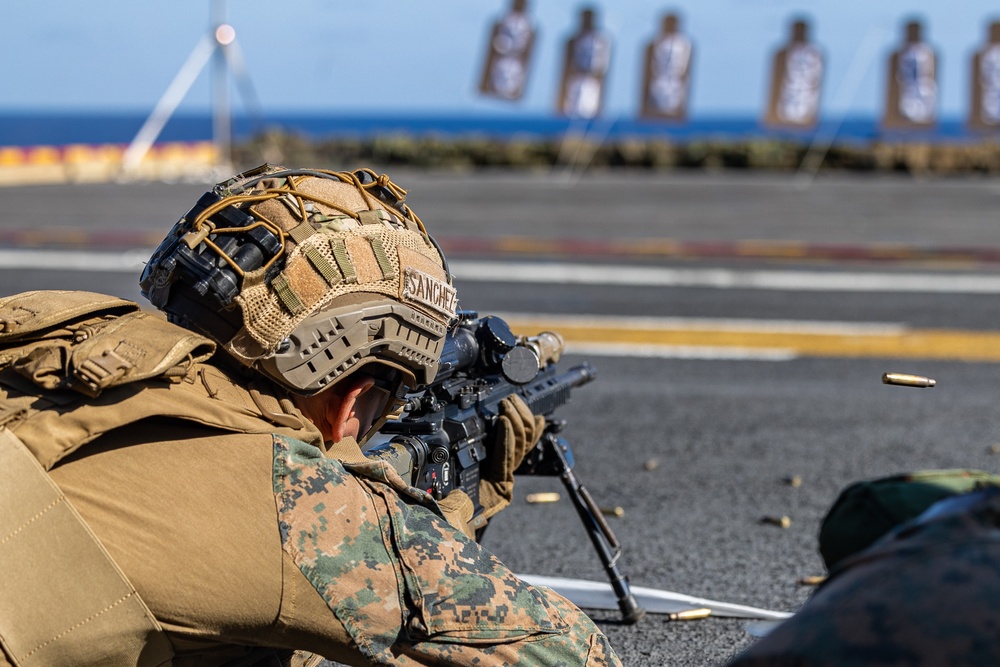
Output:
x,y
219,46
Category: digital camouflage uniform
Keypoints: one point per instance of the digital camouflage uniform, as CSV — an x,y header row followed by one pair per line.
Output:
x,y
925,594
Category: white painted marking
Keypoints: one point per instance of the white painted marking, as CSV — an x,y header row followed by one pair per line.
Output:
x,y
581,274
631,323
599,595
130,261
695,352
639,276
133,261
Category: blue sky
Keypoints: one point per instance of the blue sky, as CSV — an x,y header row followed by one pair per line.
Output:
x,y
403,56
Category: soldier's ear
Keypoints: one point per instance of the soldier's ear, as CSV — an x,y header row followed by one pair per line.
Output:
x,y
340,414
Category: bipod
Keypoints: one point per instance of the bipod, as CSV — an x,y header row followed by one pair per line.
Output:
x,y
556,458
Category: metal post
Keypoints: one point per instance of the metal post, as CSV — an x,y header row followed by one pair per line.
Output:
x,y
221,124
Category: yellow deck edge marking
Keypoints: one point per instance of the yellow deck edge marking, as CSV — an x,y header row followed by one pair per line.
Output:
x,y
910,344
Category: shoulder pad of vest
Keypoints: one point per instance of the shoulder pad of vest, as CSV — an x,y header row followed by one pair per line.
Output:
x,y
88,342
35,314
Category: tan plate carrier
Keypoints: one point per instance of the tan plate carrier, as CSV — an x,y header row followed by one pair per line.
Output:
x,y
63,600
96,603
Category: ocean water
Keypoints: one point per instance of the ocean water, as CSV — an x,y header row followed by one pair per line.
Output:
x,y
58,129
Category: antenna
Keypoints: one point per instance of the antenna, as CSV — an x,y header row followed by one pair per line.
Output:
x,y
219,42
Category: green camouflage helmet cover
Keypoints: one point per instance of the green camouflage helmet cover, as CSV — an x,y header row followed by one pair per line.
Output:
x,y
308,275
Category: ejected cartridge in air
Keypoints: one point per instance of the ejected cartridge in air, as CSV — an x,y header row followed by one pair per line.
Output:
x,y
906,380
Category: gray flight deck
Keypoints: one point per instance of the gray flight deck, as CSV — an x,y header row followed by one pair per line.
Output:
x,y
721,437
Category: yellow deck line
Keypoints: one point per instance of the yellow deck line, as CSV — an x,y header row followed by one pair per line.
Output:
x,y
909,344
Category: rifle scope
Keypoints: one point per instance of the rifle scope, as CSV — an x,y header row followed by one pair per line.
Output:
x,y
487,345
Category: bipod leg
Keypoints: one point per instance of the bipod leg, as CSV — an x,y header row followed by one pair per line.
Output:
x,y
605,543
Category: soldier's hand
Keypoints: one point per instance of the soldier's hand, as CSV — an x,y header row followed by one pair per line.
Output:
x,y
517,431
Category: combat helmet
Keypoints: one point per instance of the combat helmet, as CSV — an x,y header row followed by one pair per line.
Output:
x,y
307,276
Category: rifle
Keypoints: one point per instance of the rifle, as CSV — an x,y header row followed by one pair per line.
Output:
x,y
442,438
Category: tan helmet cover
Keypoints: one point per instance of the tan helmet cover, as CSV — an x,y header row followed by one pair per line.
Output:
x,y
357,279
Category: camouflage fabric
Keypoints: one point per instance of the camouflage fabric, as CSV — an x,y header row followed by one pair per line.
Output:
x,y
409,588
867,510
923,595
